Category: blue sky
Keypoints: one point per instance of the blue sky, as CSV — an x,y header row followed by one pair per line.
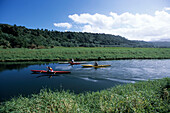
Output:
x,y
90,16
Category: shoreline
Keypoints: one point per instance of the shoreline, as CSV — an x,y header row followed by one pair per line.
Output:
x,y
48,60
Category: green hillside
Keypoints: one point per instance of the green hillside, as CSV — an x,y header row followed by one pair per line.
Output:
x,y
22,37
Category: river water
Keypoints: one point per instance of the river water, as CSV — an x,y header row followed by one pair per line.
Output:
x,y
17,79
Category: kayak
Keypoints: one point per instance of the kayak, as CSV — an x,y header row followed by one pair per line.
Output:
x,y
54,72
76,63
99,66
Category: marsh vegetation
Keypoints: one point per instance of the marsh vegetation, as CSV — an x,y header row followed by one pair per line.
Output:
x,y
83,53
148,96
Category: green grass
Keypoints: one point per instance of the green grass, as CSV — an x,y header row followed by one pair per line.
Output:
x,y
83,53
148,96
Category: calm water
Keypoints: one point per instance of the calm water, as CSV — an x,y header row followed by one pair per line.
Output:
x,y
16,78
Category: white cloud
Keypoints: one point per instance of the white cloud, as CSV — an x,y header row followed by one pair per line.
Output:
x,y
167,8
67,25
132,26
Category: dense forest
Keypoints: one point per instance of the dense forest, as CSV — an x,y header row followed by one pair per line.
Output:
x,y
22,37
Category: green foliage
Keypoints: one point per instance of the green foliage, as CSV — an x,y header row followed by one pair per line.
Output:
x,y
19,36
147,96
82,53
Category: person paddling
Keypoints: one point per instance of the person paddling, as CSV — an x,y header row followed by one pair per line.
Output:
x,y
49,69
95,63
72,60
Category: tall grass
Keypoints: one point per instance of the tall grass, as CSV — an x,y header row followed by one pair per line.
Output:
x,y
82,53
147,96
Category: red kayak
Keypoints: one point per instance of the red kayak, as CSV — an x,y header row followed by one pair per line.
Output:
x,y
54,72
76,63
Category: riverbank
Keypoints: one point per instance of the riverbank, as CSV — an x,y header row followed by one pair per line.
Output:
x,y
146,96
82,54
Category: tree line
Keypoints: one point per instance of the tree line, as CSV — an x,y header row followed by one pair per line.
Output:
x,y
22,37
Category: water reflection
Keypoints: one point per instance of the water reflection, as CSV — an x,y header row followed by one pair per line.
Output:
x,y
20,65
48,76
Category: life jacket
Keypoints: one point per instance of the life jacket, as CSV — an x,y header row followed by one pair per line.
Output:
x,y
51,69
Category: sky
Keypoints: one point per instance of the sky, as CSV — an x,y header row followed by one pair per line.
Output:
x,y
147,20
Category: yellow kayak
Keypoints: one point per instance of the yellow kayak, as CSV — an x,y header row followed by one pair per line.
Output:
x,y
99,66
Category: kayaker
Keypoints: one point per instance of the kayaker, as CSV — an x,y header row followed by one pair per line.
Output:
x,y
95,63
72,60
49,69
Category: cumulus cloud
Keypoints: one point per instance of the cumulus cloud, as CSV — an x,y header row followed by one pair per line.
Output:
x,y
132,26
67,25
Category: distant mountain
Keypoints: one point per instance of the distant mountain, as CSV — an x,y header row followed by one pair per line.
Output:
x,y
162,44
20,36
163,40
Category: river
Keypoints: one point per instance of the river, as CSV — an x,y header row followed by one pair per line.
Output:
x,y
17,79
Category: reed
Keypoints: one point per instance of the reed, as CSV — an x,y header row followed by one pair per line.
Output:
x,y
83,53
147,96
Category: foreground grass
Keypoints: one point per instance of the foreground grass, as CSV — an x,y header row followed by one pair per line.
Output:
x,y
83,53
148,96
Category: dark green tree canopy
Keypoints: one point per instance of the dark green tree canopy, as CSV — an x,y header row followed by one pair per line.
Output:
x,y
20,36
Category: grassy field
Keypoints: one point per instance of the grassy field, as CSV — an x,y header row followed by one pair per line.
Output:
x,y
82,53
148,96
